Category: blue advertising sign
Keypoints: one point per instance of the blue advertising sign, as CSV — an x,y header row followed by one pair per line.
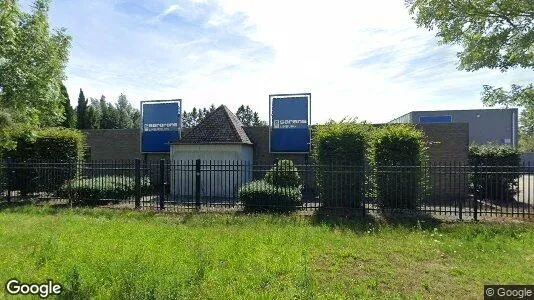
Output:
x,y
435,119
161,125
289,122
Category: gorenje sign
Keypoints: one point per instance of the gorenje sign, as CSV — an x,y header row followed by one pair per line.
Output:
x,y
161,125
289,123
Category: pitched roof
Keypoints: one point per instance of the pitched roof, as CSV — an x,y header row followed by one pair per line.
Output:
x,y
219,127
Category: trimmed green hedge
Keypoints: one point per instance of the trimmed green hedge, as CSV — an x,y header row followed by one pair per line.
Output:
x,y
48,144
495,174
283,174
335,145
95,190
35,150
398,156
262,196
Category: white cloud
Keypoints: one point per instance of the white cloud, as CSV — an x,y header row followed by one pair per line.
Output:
x,y
364,59
171,9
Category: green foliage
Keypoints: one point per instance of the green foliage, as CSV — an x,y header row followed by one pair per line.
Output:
x,y
48,144
125,113
522,96
82,117
263,196
245,114
526,142
493,34
98,189
496,171
398,156
43,146
100,114
69,120
336,145
195,116
248,117
343,142
32,65
283,174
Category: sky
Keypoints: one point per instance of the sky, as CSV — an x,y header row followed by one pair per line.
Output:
x,y
363,59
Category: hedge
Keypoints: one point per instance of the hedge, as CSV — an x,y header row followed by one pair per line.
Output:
x,y
43,146
262,196
398,157
495,174
283,174
95,190
336,145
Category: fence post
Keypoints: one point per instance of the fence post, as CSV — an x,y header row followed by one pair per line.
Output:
x,y
475,192
197,184
137,183
363,189
8,179
69,182
461,200
162,184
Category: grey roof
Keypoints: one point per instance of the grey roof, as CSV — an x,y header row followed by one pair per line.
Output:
x,y
219,127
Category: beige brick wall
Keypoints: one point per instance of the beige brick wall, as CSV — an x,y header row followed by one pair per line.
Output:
x,y
447,143
113,144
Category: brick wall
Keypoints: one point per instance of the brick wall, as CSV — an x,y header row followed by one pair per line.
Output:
x,y
447,143
113,144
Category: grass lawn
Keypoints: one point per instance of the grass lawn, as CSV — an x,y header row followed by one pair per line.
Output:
x,y
124,254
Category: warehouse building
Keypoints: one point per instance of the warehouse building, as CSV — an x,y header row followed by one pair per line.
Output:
x,y
499,126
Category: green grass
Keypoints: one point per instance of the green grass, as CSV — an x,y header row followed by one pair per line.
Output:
x,y
124,254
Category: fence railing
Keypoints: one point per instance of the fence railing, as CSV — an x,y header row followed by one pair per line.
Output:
x,y
458,190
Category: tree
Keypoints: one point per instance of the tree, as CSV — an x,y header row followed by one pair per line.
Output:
x,y
107,119
126,114
249,117
94,115
32,65
68,112
494,34
244,113
82,119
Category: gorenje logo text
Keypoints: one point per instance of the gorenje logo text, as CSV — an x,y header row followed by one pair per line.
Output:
x,y
160,127
289,123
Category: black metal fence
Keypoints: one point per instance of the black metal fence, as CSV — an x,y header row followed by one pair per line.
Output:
x,y
457,190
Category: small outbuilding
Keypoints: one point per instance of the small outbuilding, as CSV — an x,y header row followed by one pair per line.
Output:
x,y
225,151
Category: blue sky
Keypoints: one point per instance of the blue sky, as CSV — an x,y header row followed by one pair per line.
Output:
x,y
358,59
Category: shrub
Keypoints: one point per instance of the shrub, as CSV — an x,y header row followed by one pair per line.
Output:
x,y
283,174
496,171
32,170
336,146
262,196
94,190
49,144
399,152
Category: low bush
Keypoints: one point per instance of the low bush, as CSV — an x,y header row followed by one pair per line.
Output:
x,y
399,152
336,145
262,196
283,174
495,174
97,189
